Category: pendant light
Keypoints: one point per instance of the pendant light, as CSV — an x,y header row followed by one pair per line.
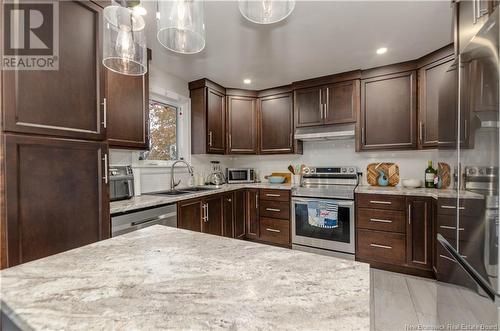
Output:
x,y
266,11
124,44
180,25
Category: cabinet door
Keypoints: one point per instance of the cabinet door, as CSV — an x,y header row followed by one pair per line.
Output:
x,y
419,232
228,228
56,196
189,214
430,79
342,102
308,107
213,215
276,124
388,112
216,110
127,105
242,120
65,102
252,206
239,207
447,109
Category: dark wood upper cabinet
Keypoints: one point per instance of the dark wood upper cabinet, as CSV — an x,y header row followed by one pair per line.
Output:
x,y
342,102
189,214
66,102
216,112
471,16
42,172
252,213
419,232
208,122
213,221
276,124
388,111
242,125
127,105
430,79
308,107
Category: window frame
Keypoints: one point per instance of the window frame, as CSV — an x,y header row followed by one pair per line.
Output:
x,y
183,129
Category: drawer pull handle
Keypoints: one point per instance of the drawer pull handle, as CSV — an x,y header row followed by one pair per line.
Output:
x,y
451,227
273,209
452,207
447,258
380,220
381,202
273,230
381,246
273,195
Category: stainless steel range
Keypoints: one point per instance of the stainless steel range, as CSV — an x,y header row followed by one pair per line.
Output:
x,y
333,189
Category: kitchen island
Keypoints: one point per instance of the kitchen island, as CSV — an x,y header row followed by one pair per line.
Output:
x,y
167,278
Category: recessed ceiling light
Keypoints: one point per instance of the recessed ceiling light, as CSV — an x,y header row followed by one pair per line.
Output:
x,y
381,50
247,81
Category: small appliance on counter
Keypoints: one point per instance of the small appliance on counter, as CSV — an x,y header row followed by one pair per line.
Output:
x,y
216,177
240,175
121,182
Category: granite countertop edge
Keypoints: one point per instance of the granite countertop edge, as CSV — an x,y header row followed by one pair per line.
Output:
x,y
422,192
148,201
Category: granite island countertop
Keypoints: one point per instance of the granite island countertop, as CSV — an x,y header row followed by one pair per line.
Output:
x,y
167,278
146,201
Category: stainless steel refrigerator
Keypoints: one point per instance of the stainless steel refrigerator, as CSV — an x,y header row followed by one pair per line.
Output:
x,y
466,252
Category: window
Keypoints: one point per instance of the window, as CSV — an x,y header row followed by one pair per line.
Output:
x,y
163,132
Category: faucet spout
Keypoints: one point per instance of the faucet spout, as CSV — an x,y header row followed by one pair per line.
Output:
x,y
173,183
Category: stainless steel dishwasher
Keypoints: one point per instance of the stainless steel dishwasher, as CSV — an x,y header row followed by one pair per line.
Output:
x,y
135,220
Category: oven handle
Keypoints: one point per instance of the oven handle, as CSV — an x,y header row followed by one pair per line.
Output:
x,y
344,203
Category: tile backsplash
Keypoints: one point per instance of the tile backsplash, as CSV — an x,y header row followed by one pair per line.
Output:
x,y
320,153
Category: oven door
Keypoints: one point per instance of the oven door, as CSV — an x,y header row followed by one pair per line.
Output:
x,y
339,239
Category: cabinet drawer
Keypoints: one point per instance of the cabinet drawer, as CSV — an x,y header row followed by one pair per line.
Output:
x,y
275,209
381,201
386,247
383,220
275,195
467,207
275,231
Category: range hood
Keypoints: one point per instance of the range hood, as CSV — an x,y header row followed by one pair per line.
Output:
x,y
331,132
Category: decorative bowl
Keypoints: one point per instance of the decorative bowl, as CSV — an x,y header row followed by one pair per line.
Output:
x,y
276,179
413,183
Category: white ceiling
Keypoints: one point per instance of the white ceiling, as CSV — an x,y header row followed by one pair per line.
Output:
x,y
317,39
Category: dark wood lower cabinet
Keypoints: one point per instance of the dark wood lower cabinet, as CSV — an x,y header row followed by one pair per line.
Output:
x,y
239,211
419,232
56,196
189,214
253,214
395,232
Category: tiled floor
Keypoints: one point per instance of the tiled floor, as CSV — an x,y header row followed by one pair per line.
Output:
x,y
401,302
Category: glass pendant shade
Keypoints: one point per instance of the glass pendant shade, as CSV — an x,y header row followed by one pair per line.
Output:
x,y
266,11
124,41
180,25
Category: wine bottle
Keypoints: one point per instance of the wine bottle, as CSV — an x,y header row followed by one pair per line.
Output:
x,y
430,173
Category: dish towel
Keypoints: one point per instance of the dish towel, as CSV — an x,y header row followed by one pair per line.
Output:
x,y
322,214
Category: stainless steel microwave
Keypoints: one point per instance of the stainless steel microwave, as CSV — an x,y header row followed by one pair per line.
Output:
x,y
240,175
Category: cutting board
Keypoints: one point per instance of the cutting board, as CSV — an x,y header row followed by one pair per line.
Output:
x,y
444,172
390,169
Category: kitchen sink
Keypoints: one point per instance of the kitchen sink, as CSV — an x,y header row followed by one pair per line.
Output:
x,y
182,191
173,192
197,189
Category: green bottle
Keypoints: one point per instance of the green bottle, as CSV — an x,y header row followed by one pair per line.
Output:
x,y
430,173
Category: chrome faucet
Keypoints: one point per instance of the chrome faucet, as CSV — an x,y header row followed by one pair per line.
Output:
x,y
173,184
